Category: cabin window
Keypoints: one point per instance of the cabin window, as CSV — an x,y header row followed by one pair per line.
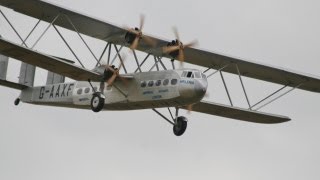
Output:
x,y
203,76
87,90
150,83
143,84
165,82
174,81
79,91
158,83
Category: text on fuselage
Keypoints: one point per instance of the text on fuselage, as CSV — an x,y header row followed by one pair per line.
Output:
x,y
56,91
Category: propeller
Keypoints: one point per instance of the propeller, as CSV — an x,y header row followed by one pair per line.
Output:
x,y
137,32
114,75
115,72
190,106
178,47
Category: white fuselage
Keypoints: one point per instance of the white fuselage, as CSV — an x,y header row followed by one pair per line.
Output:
x,y
170,88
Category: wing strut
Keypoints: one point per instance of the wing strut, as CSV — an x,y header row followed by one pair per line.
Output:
x,y
46,30
276,98
71,50
226,88
251,107
14,29
243,88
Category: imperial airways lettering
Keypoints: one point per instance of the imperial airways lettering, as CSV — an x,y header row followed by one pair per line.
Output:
x,y
56,91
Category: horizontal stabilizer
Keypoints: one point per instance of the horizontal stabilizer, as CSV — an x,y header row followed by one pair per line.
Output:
x,y
238,113
12,85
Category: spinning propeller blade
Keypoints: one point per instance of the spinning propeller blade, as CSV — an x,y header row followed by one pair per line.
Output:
x,y
115,74
190,106
139,35
179,46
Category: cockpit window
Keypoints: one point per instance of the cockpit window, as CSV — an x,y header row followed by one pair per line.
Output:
x,y
197,75
189,74
192,74
203,76
184,74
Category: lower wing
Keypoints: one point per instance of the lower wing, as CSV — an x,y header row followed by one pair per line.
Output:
x,y
238,113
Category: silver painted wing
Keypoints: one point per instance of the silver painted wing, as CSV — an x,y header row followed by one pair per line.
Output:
x,y
47,62
111,33
238,113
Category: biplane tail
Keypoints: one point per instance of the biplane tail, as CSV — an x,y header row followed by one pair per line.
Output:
x,y
26,77
3,75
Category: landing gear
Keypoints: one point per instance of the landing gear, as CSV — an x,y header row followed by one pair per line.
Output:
x,y
17,101
180,126
97,102
179,122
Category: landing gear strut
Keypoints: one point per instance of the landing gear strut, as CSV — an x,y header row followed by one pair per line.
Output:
x,y
180,123
97,102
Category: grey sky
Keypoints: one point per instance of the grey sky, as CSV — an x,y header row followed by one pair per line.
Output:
x,y
54,143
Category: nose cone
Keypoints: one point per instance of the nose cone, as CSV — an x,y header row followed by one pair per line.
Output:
x,y
201,88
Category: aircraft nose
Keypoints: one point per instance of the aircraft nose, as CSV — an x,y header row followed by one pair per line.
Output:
x,y
201,87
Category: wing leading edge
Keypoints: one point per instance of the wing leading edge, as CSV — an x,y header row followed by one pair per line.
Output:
x,y
238,113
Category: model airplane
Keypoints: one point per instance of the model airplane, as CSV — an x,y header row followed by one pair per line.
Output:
x,y
104,88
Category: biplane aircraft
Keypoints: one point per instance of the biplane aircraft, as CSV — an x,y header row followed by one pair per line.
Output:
x,y
105,88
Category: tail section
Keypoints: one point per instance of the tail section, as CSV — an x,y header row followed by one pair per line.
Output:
x,y
54,78
27,73
3,75
3,67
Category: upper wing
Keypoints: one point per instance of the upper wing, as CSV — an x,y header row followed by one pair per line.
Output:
x,y
253,70
111,33
238,113
46,62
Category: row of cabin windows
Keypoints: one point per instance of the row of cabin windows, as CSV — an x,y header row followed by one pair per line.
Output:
x,y
158,83
86,90
143,84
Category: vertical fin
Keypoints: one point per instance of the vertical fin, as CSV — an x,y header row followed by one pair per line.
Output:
x,y
27,73
3,67
54,78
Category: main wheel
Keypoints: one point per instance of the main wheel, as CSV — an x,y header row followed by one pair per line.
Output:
x,y
97,102
180,127
17,101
